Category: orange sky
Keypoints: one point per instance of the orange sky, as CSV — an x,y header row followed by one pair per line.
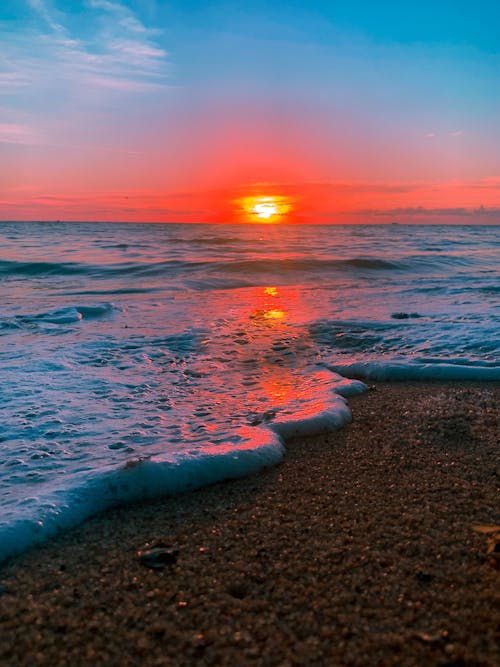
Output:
x,y
197,168
169,112
305,202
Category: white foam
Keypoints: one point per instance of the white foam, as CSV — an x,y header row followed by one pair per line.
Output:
x,y
408,370
322,422
62,505
35,519
331,417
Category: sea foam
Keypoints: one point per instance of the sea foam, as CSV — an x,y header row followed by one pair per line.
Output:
x,y
407,370
70,500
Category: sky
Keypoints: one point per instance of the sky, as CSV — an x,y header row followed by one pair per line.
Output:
x,y
183,110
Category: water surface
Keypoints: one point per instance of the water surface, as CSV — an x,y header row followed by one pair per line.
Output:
x,y
140,359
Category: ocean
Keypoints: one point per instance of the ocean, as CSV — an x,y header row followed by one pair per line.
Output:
x,y
139,360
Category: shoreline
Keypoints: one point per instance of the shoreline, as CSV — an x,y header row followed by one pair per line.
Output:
x,y
358,549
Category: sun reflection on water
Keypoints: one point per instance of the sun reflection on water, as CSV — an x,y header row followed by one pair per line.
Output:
x,y
270,310
279,351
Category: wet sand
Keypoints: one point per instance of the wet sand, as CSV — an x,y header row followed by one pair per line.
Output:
x,y
357,550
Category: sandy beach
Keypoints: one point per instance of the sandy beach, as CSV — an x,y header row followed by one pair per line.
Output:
x,y
357,550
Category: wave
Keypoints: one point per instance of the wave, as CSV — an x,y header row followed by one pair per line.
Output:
x,y
66,315
368,263
120,291
305,265
209,240
34,269
141,479
458,370
13,268
249,267
249,449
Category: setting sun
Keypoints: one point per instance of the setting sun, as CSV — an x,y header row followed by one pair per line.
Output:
x,y
269,208
265,210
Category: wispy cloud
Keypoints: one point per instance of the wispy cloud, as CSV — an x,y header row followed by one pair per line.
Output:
x,y
113,50
14,133
112,205
451,133
421,211
491,184
123,16
47,15
12,81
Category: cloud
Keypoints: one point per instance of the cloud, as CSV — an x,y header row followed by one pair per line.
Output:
x,y
454,133
486,184
337,187
42,9
14,133
12,81
123,15
132,205
421,211
110,50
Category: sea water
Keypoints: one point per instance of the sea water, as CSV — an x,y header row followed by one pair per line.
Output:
x,y
145,359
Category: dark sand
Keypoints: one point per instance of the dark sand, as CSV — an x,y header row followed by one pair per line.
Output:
x,y
357,550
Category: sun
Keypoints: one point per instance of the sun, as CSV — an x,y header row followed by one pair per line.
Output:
x,y
265,208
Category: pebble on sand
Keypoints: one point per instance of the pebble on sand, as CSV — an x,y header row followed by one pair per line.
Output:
x,y
157,557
